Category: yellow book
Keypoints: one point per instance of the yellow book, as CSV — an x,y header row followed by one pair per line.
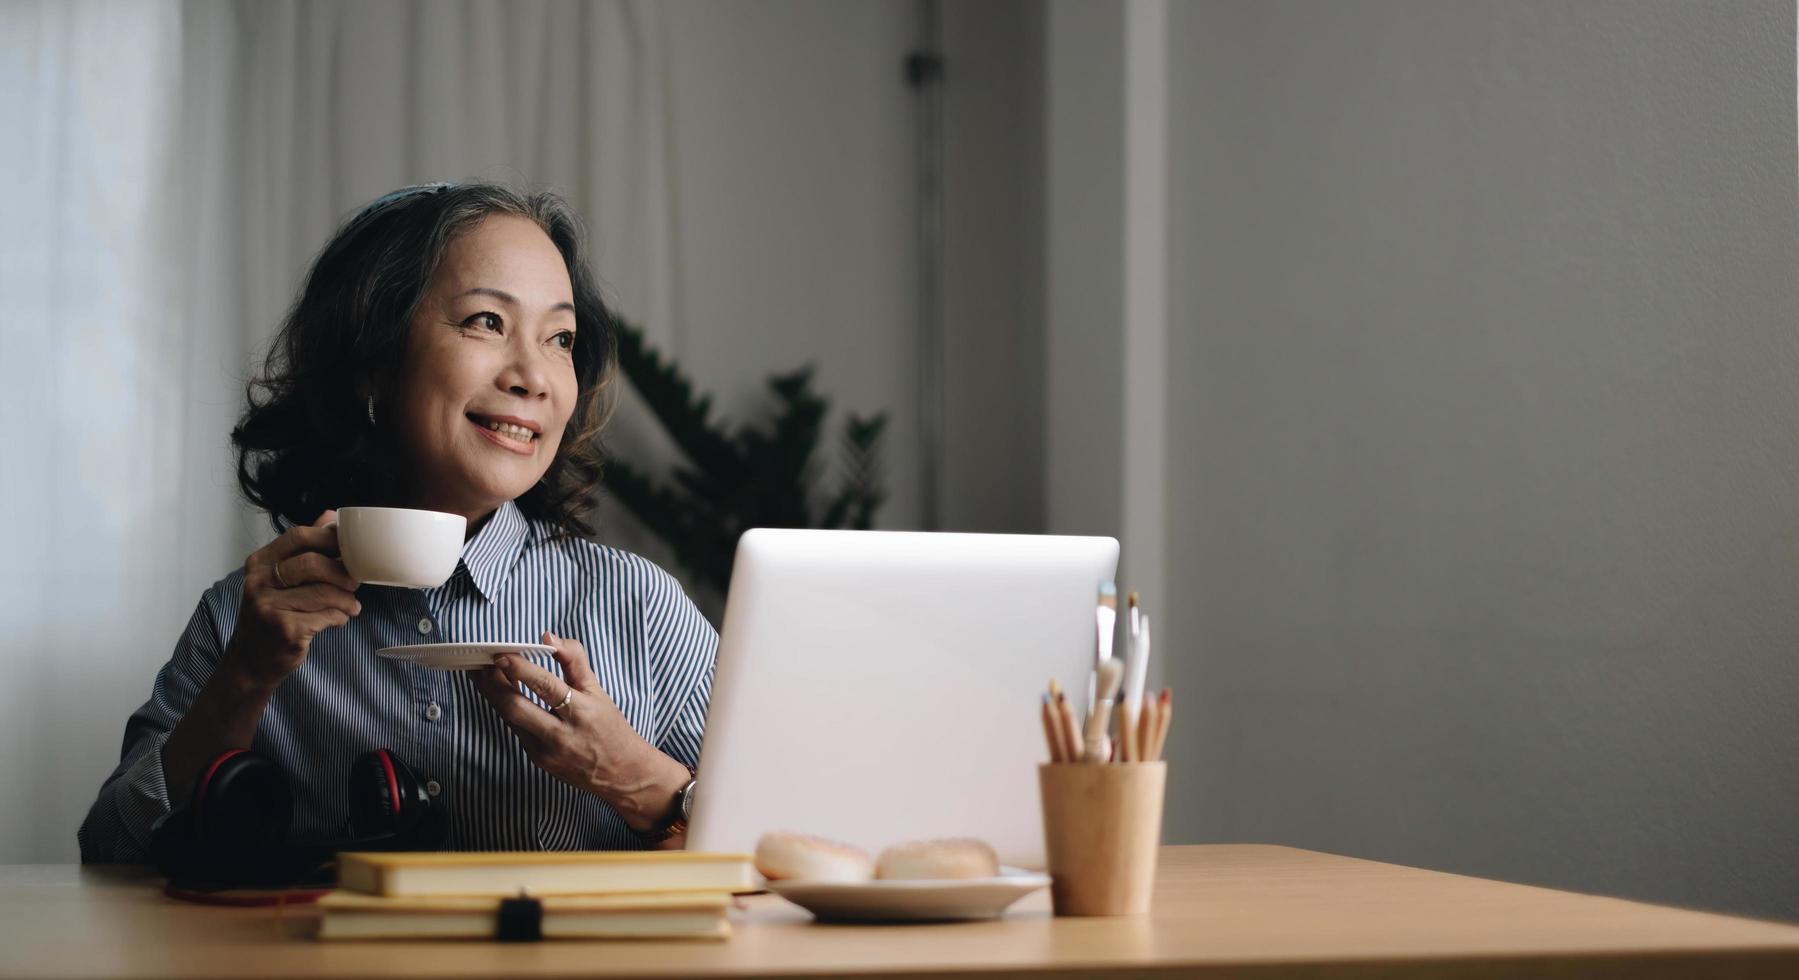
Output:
x,y
677,915
540,873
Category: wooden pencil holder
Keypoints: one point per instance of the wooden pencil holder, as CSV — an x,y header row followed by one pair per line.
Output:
x,y
1102,824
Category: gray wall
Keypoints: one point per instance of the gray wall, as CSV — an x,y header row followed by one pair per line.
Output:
x,y
1484,516
794,133
1083,202
993,266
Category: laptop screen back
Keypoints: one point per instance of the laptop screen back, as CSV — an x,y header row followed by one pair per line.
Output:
x,y
876,687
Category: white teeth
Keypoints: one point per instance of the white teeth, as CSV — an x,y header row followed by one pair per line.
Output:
x,y
511,431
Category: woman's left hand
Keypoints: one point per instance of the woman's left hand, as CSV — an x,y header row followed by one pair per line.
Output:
x,y
587,742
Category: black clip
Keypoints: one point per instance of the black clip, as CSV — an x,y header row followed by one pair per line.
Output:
x,y
520,920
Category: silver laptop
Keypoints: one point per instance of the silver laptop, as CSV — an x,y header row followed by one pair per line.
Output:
x,y
876,687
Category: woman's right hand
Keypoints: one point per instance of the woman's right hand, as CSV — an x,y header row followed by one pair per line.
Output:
x,y
294,589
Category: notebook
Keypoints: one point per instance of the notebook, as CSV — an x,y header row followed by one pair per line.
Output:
x,y
509,873
681,915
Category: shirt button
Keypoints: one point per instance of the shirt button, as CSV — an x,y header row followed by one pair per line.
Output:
x,y
424,624
432,788
433,712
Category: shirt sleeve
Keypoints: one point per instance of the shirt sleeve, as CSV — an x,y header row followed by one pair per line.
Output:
x,y
683,653
136,795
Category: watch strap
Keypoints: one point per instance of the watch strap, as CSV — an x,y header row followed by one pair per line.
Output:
x,y
674,822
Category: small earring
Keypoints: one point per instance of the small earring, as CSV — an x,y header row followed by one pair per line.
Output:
x,y
371,409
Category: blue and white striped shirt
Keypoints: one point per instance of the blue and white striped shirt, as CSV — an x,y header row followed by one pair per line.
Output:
x,y
650,647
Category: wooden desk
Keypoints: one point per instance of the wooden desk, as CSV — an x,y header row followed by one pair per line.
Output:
x,y
1237,910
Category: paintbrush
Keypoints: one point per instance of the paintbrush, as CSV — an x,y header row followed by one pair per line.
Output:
x,y
1136,660
1105,620
1098,744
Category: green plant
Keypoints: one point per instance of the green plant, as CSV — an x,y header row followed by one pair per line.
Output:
x,y
736,478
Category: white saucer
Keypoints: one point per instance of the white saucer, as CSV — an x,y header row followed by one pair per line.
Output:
x,y
458,656
912,901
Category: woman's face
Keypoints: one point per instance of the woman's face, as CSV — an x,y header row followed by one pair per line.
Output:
x,y
488,382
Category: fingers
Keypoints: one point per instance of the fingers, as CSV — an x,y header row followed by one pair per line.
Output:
x,y
301,555
315,623
573,658
298,539
294,631
527,719
313,566
316,598
549,688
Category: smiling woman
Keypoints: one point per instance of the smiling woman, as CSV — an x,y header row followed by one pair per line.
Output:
x,y
487,368
448,352
435,310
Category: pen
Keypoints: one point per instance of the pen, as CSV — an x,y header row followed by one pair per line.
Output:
x,y
1146,727
1052,731
1057,731
1071,736
1164,715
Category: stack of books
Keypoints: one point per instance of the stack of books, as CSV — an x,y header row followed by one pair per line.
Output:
x,y
531,895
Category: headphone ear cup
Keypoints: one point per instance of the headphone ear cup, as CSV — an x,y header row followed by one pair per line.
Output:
x,y
241,808
173,849
425,827
242,802
388,798
375,802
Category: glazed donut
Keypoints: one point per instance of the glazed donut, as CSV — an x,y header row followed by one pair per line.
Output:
x,y
935,859
784,855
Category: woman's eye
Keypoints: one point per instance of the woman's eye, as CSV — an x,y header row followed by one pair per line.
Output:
x,y
565,340
489,320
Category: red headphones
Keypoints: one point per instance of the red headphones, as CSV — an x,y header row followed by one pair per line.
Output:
x,y
234,831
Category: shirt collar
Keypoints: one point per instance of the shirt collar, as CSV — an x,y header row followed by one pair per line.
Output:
x,y
488,557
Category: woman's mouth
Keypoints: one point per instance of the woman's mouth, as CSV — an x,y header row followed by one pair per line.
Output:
x,y
507,435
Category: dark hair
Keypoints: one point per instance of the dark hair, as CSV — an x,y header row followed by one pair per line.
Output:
x,y
306,443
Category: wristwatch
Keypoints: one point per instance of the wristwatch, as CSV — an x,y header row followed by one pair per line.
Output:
x,y
675,821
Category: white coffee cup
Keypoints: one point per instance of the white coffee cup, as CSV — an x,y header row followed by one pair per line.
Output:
x,y
394,546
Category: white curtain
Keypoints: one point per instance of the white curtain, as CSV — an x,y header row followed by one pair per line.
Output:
x,y
172,168
344,101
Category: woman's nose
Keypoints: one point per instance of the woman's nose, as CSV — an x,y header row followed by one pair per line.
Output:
x,y
525,376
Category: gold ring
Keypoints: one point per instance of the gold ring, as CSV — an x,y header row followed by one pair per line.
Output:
x,y
566,698
280,578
